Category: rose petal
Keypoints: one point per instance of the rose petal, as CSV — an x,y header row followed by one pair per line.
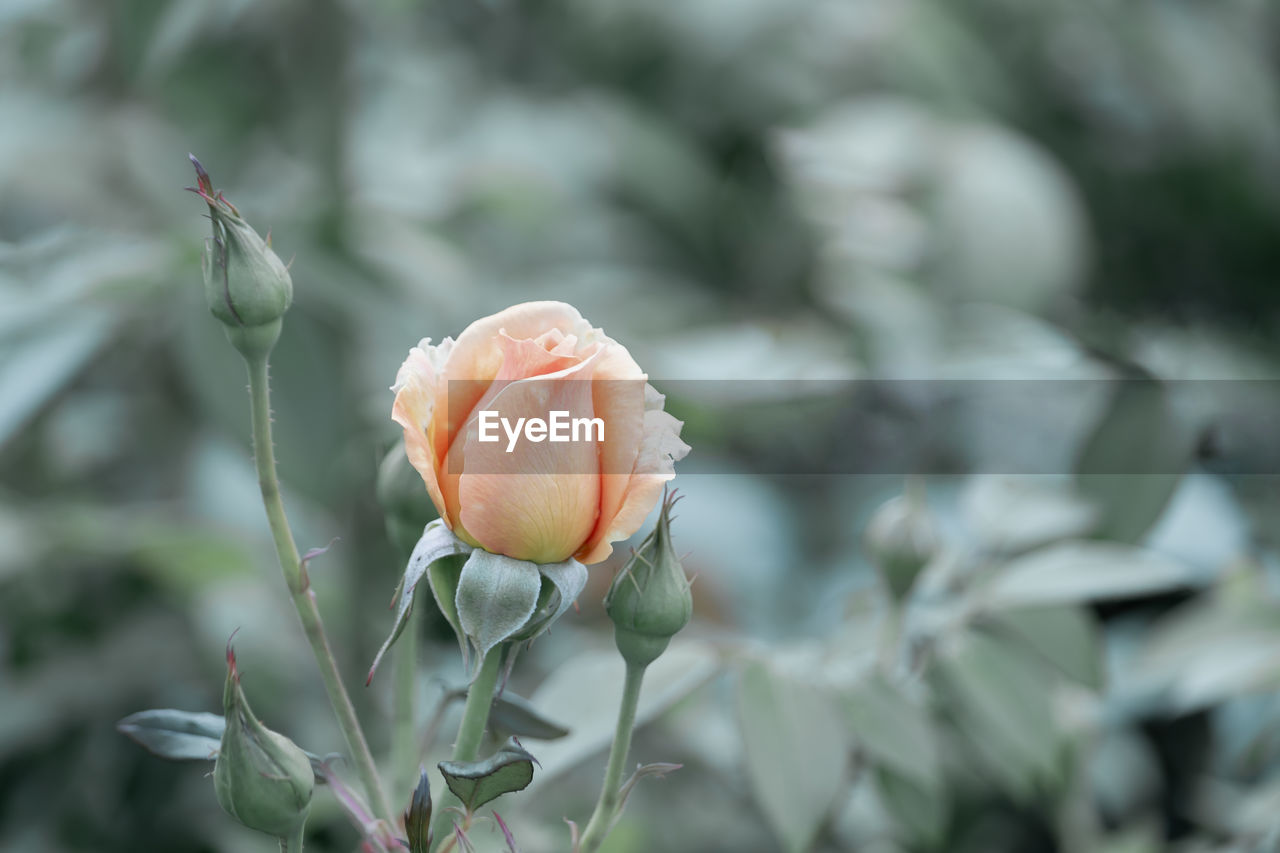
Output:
x,y
540,501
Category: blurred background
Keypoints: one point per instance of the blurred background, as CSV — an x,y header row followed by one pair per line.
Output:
x,y
756,189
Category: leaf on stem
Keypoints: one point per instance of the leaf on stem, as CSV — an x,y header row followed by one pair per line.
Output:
x,y
176,735
478,782
437,541
658,770
516,715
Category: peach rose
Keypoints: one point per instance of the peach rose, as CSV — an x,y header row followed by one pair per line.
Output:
x,y
534,499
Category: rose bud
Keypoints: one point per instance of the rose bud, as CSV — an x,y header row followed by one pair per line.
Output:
x,y
246,285
900,540
261,778
650,600
526,498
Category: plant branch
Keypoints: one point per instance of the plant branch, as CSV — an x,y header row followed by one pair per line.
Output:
x,y
606,812
475,716
295,576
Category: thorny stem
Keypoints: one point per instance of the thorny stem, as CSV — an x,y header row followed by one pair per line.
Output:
x,y
304,600
606,809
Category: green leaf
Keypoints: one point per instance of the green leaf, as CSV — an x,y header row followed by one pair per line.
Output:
x,y
496,597
892,729
176,735
795,753
1000,703
920,812
1130,466
1073,572
478,782
582,694
1064,636
516,715
437,542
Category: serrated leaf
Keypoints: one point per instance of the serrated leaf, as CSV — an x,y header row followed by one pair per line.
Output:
x,y
437,542
478,782
516,715
176,735
892,729
1074,572
795,753
496,596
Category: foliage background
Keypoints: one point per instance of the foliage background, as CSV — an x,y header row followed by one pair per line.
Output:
x,y
777,189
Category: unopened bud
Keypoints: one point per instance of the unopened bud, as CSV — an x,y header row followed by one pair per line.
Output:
x,y
901,540
417,818
650,599
261,778
246,284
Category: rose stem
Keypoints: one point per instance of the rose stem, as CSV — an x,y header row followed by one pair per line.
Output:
x,y
602,818
293,844
304,599
404,742
475,716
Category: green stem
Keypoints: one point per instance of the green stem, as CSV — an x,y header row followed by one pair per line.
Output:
x,y
404,742
475,716
606,809
304,600
293,844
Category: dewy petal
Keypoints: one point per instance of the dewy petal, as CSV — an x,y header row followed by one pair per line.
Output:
x,y
540,501
660,449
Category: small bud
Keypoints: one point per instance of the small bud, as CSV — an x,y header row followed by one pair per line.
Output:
x,y
246,285
650,599
404,501
262,779
900,540
417,819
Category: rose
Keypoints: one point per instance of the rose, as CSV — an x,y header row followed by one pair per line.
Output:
x,y
541,501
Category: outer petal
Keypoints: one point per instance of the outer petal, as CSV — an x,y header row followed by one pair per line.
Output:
x,y
417,388
539,502
619,397
660,449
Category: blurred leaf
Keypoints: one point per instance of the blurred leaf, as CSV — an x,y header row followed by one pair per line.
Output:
x,y
478,782
1000,704
1131,464
516,715
582,694
1073,572
1063,636
36,367
796,753
177,735
893,729
1011,515
921,813
1209,650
